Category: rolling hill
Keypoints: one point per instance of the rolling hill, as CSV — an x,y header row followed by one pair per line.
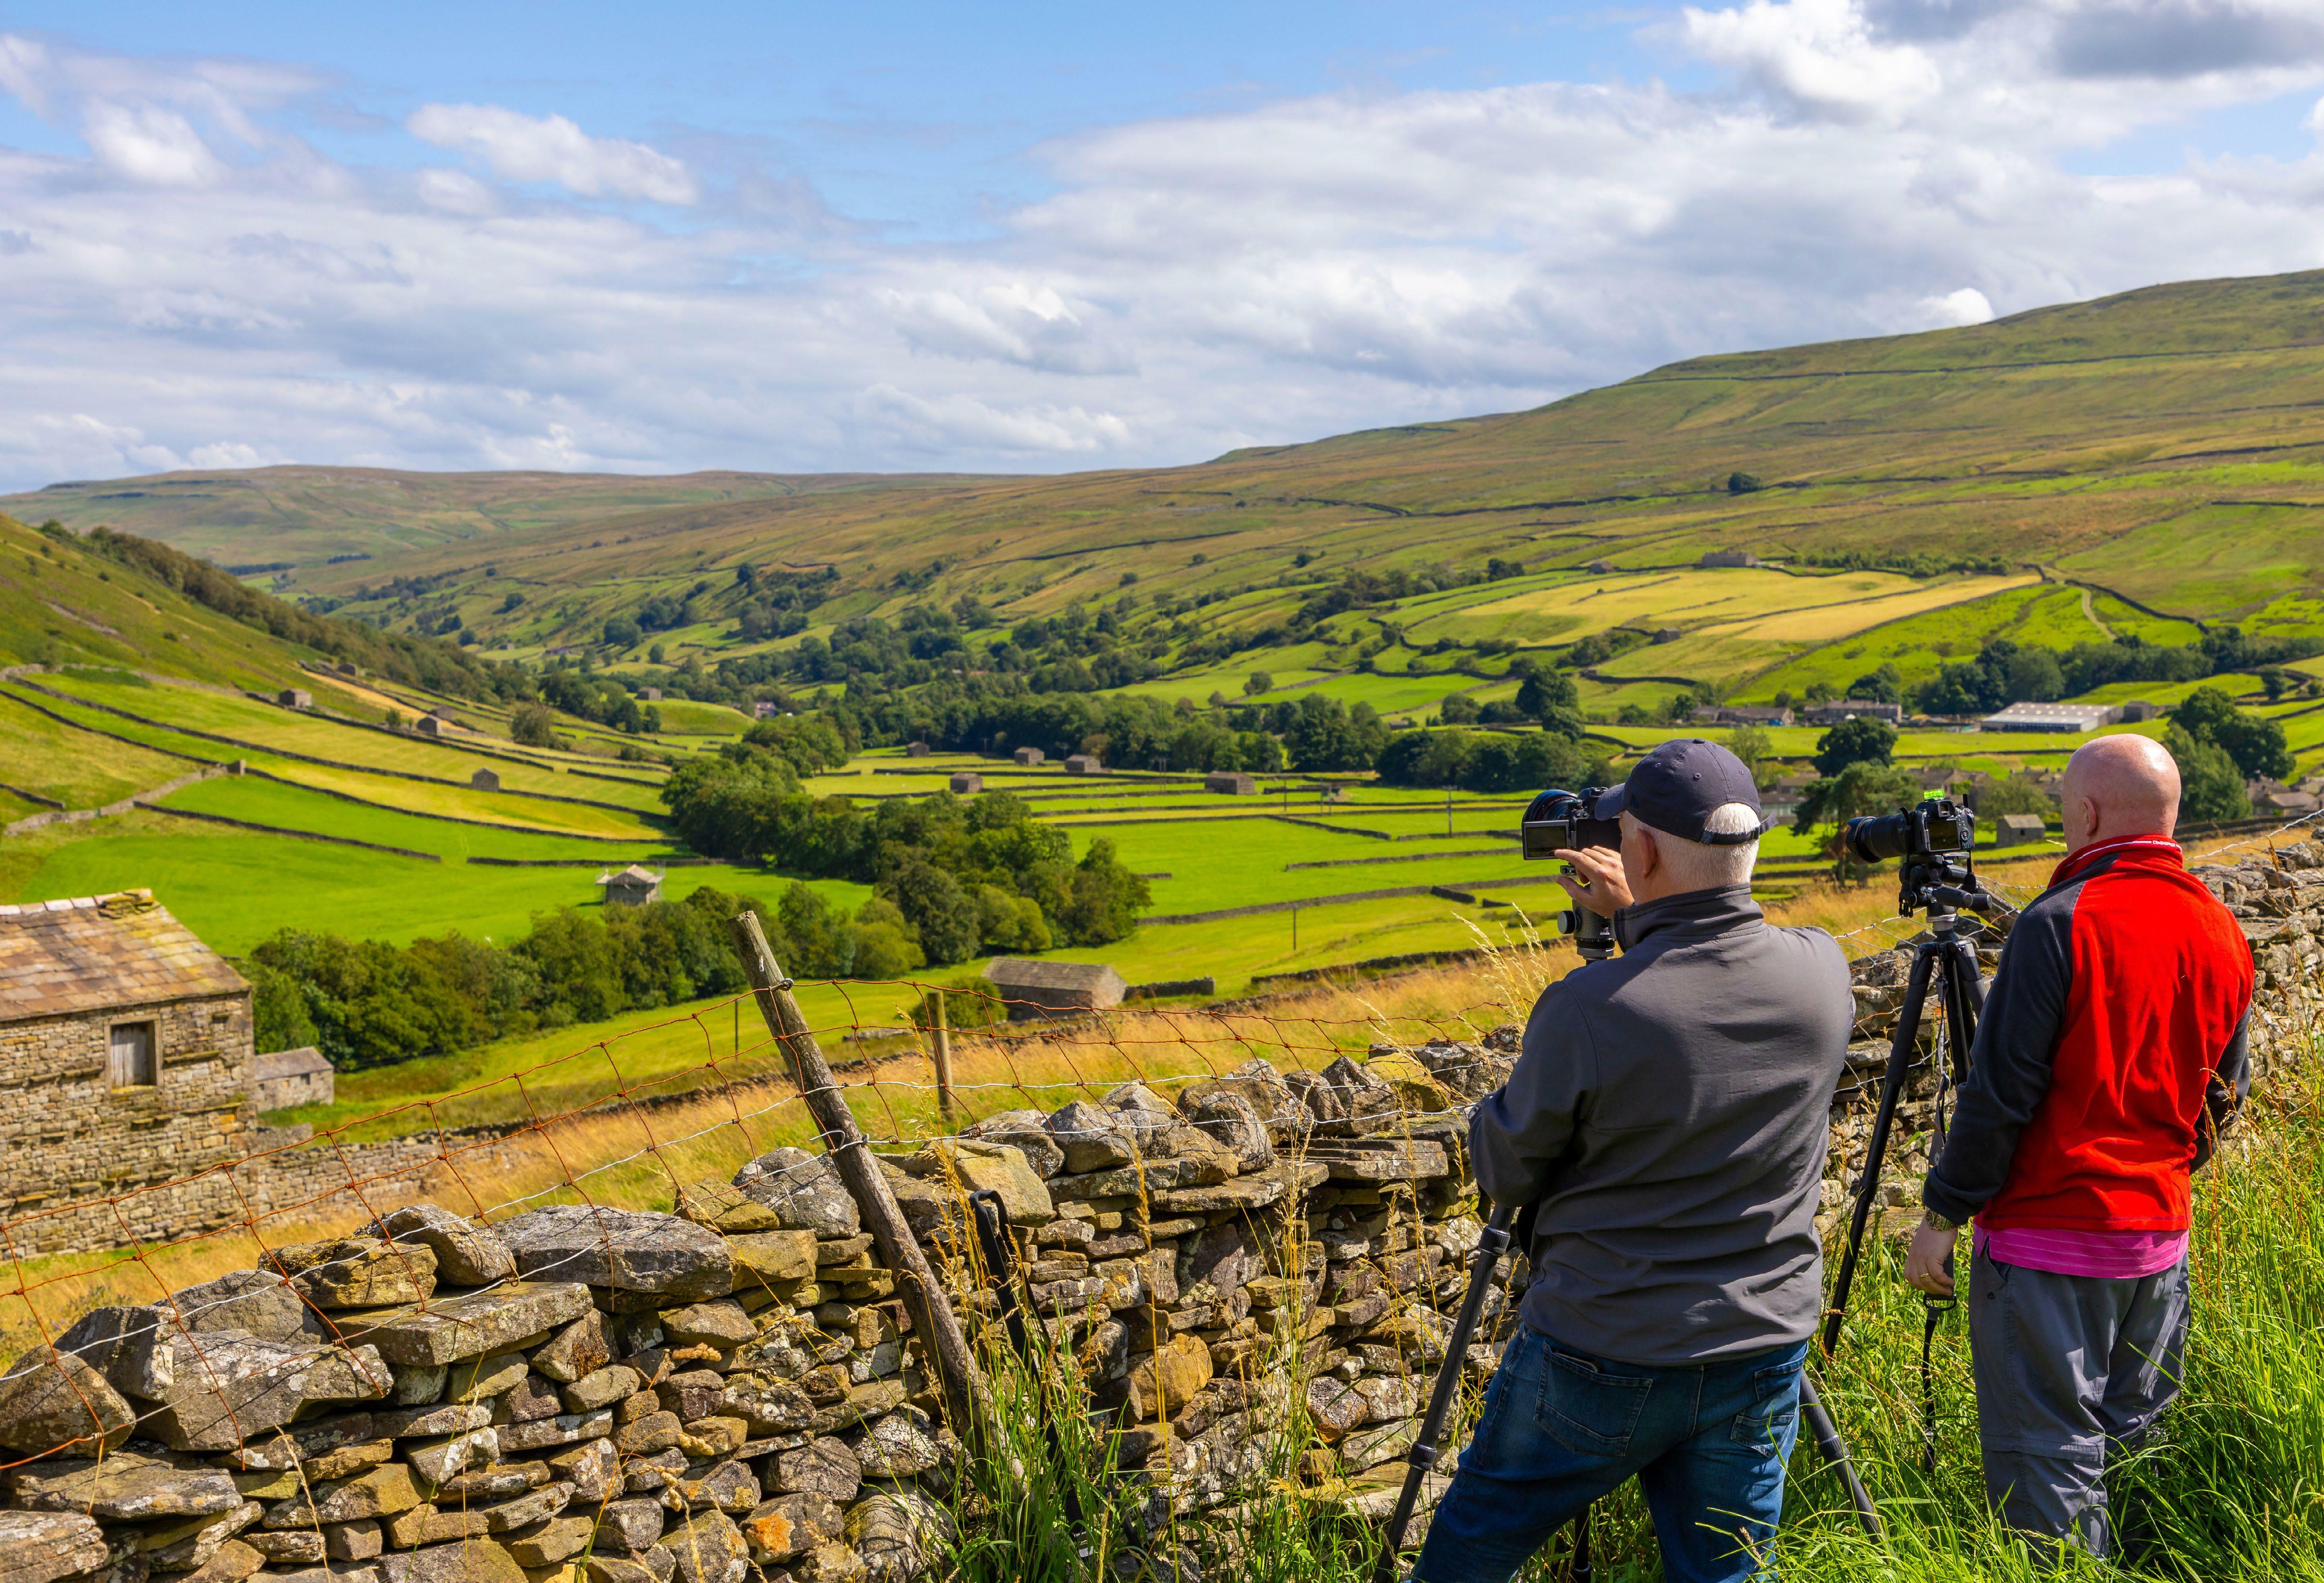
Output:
x,y
2156,459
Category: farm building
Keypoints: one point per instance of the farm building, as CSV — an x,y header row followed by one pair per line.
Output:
x,y
125,1047
630,887
2290,805
650,694
1728,558
1745,715
430,725
760,709
2072,717
1081,764
1032,989
1601,567
295,698
2018,829
916,749
1668,634
966,782
1840,709
1233,783
284,1078
485,780
1029,756
2140,708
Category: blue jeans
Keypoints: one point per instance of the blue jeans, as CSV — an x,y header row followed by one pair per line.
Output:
x,y
1707,1441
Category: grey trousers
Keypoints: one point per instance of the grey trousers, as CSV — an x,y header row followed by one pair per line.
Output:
x,y
2072,1372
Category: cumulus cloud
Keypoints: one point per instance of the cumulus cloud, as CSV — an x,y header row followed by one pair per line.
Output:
x,y
1967,305
1819,54
197,286
549,147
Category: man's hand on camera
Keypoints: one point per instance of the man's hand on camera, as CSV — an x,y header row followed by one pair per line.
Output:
x,y
1606,892
1925,1266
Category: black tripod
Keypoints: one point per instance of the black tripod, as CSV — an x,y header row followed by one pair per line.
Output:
x,y
1946,962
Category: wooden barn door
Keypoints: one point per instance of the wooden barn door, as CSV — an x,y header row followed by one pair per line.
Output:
x,y
129,1061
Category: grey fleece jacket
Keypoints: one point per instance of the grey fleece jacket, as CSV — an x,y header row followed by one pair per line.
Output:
x,y
1669,1114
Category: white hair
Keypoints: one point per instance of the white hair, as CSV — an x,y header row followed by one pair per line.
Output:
x,y
1700,865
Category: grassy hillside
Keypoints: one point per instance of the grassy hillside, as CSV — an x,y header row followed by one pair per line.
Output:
x,y
2159,443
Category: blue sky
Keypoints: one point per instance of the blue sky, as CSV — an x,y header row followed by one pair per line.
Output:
x,y
1042,236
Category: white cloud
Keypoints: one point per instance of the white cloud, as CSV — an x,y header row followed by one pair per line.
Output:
x,y
201,285
549,147
152,144
1967,305
1820,54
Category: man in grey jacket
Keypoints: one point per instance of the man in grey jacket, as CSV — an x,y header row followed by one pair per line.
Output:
x,y
1668,1119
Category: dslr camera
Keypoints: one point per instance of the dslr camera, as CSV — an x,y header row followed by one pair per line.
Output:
x,y
1558,822
1936,843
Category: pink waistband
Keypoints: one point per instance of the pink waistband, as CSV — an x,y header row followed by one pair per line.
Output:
x,y
2112,1256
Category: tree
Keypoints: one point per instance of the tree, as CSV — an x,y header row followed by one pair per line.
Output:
x,y
1753,746
1741,482
1257,682
1495,569
620,631
1860,739
1104,897
2015,794
938,909
2256,744
1858,788
1544,695
533,725
2210,786
1879,686
1457,709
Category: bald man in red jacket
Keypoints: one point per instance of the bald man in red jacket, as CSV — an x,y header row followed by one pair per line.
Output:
x,y
2111,1053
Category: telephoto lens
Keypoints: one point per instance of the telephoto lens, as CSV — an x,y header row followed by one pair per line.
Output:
x,y
1937,826
1875,840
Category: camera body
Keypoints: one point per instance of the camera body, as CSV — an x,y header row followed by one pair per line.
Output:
x,y
1559,822
1937,843
1938,826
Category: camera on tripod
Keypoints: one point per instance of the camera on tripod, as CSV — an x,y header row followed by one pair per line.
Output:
x,y
1559,822
1937,843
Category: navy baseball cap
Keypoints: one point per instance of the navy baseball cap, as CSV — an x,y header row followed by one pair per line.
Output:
x,y
1676,787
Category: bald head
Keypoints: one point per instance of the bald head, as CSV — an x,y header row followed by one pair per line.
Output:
x,y
2117,786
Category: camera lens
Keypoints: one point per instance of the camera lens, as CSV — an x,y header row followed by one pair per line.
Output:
x,y
1875,840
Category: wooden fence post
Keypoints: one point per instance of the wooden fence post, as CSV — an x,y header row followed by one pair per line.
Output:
x,y
941,1343
944,1058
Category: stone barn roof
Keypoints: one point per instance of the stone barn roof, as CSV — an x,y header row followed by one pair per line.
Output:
x,y
100,953
633,875
281,1063
1018,972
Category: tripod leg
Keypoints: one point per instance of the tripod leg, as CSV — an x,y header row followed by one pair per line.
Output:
x,y
1835,1451
1422,1455
1892,1089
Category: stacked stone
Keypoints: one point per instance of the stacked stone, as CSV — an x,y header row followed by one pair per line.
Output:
x,y
2278,900
730,1391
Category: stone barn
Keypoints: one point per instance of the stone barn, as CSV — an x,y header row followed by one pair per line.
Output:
x,y
630,887
295,698
1029,756
650,694
284,1078
485,780
1233,783
966,782
2019,830
1081,764
916,749
1033,990
125,1050
430,725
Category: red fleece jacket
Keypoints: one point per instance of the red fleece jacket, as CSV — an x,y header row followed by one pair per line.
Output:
x,y
2111,1050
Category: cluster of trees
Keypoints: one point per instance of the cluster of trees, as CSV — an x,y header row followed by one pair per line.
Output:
x,y
1534,761
2006,673
776,601
961,875
593,697
367,1003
